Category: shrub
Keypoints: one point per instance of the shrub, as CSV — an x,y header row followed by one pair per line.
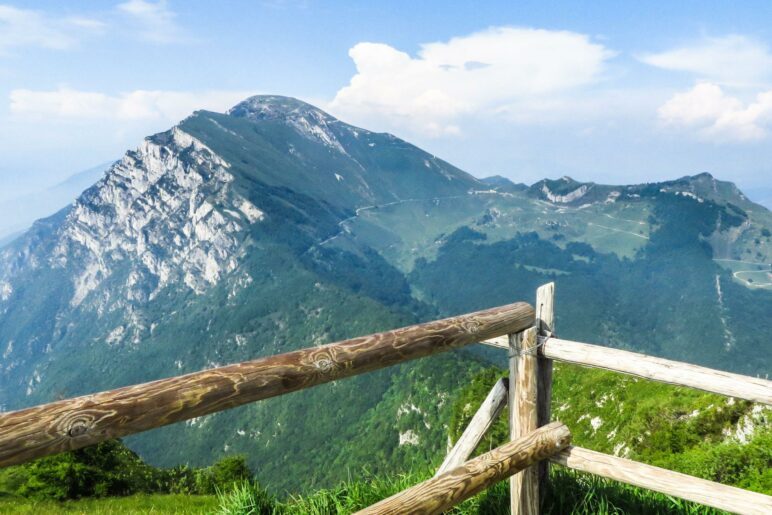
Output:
x,y
108,468
223,475
112,469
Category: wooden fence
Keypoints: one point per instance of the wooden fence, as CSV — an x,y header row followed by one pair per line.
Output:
x,y
530,356
528,335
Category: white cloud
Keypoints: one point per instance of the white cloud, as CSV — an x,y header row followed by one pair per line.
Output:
x,y
729,60
155,20
29,28
149,21
716,116
484,72
718,108
138,105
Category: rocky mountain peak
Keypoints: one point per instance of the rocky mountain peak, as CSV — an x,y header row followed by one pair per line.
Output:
x,y
561,191
705,186
276,107
307,120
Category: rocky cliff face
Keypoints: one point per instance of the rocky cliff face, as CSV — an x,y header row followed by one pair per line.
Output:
x,y
167,210
164,216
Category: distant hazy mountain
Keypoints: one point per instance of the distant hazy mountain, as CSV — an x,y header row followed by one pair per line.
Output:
x,y
22,211
275,226
5,240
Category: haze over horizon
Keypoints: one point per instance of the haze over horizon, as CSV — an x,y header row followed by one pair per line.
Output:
x,y
523,91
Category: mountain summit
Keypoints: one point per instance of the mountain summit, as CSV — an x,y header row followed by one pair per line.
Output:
x,y
283,141
305,118
275,107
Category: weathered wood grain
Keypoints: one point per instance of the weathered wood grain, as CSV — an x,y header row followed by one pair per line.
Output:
x,y
502,342
442,492
659,369
523,419
665,481
74,423
545,324
482,420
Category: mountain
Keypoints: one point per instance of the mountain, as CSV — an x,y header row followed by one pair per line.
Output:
x,y
275,226
28,208
671,269
502,184
202,247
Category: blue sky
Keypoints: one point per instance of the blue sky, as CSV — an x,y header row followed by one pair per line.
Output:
x,y
603,91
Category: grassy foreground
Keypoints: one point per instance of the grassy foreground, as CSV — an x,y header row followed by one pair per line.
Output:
x,y
568,493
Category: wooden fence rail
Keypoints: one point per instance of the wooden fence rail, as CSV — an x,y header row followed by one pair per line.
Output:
x,y
662,370
659,369
709,493
446,490
75,423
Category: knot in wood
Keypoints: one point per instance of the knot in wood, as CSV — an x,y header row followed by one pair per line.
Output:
x,y
78,423
472,326
78,429
325,363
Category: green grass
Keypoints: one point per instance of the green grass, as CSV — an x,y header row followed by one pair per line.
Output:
x,y
750,272
135,504
568,492
404,232
246,499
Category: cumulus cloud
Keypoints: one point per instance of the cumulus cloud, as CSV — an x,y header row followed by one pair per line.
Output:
x,y
714,115
729,60
29,28
719,107
155,21
137,105
486,71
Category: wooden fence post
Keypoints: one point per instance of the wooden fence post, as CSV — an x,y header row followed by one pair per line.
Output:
x,y
530,394
545,325
523,364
